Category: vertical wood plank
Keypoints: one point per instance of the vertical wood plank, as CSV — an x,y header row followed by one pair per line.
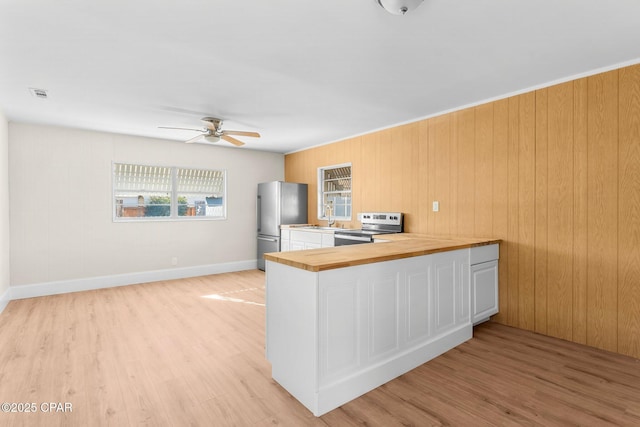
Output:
x,y
441,156
292,165
408,185
483,170
560,197
456,129
541,211
369,153
415,176
384,172
431,170
580,213
526,211
354,155
500,197
602,219
454,167
513,216
629,213
465,124
398,147
423,176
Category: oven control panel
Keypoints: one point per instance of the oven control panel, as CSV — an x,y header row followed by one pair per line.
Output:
x,y
381,218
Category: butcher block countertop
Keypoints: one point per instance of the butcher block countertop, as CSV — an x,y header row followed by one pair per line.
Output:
x,y
396,246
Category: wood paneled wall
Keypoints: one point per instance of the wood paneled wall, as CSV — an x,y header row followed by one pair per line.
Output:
x,y
555,173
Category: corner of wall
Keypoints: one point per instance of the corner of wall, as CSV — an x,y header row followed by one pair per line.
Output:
x,y
5,255
4,299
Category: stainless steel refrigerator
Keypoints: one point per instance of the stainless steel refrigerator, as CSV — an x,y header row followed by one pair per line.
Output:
x,y
278,203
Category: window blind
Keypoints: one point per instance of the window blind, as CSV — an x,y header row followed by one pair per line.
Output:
x,y
198,181
142,179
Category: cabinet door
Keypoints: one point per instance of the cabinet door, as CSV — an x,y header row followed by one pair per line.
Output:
x,y
308,245
296,245
340,326
328,240
451,289
284,245
484,290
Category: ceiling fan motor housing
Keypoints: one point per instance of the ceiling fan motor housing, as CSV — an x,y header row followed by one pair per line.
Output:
x,y
217,123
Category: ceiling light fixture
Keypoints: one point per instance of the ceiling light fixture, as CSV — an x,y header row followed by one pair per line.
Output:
x,y
211,138
399,7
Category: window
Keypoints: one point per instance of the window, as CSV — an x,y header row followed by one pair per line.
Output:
x,y
200,193
334,192
143,192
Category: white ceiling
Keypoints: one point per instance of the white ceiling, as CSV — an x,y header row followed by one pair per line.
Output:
x,y
300,72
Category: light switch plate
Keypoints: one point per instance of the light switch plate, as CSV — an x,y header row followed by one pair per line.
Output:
x,y
436,206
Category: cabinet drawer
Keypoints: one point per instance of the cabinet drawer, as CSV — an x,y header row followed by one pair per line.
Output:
x,y
307,236
480,254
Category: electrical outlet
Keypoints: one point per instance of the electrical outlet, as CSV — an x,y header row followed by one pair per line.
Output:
x,y
436,206
174,260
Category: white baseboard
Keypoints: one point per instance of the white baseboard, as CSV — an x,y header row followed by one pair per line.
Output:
x,y
332,396
4,299
91,283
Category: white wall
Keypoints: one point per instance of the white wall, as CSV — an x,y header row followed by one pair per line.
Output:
x,y
4,213
61,207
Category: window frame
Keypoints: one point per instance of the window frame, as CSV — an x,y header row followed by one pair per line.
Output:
x,y
173,194
321,211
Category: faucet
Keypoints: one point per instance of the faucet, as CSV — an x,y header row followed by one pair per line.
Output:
x,y
329,208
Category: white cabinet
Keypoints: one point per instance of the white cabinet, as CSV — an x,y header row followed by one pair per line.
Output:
x,y
296,240
305,240
328,240
484,282
334,335
451,288
285,238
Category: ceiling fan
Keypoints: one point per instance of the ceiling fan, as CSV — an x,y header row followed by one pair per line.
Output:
x,y
213,132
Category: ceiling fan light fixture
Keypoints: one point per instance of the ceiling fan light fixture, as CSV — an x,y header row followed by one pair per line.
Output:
x,y
399,7
211,138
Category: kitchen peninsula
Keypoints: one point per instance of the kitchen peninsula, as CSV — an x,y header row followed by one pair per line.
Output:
x,y
342,321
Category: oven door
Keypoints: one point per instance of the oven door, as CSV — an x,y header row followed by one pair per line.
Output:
x,y
351,239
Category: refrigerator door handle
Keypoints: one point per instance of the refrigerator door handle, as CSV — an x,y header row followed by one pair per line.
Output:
x,y
267,239
258,212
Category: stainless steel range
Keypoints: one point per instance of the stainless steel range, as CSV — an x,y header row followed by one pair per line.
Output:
x,y
372,223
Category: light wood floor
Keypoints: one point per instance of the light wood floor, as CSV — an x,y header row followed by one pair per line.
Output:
x,y
191,352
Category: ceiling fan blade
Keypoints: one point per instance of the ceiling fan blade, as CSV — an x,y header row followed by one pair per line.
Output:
x,y
241,133
169,127
234,141
194,139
